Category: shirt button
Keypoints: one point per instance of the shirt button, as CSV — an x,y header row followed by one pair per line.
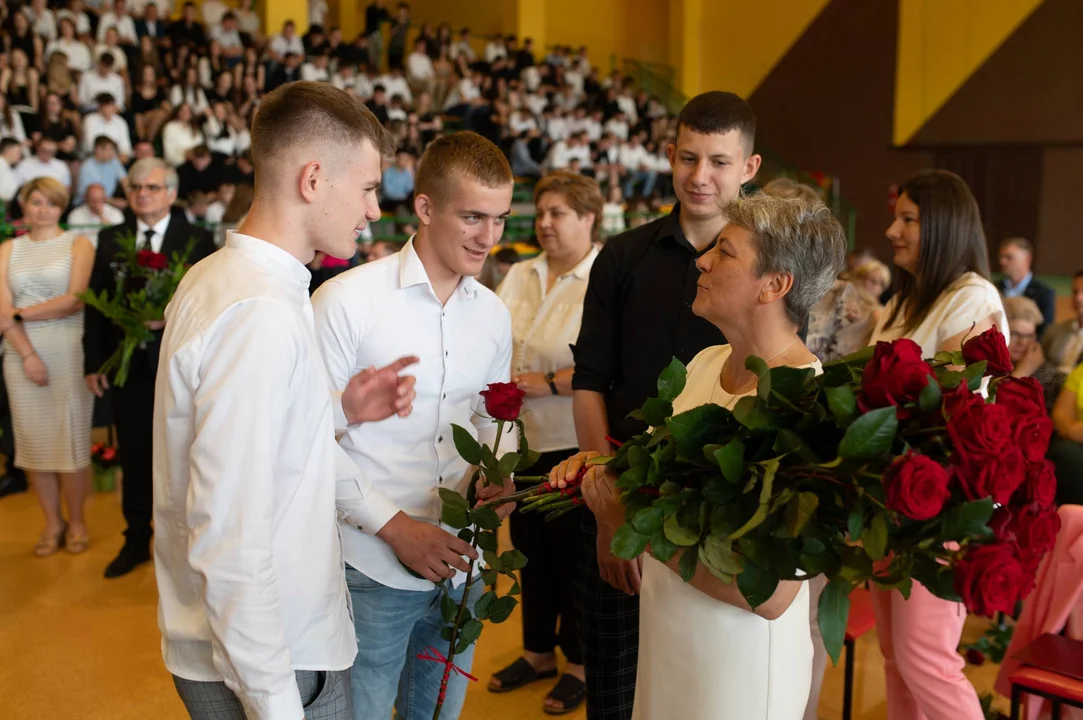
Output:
x,y
440,439
441,479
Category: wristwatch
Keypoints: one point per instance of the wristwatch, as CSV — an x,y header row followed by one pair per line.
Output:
x,y
549,378
17,317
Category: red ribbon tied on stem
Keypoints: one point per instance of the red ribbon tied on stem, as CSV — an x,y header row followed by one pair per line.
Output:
x,y
433,655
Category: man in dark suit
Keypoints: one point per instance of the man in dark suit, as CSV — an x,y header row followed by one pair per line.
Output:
x,y
289,71
156,226
151,25
1016,258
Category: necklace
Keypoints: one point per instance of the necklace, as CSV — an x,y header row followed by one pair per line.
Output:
x,y
744,388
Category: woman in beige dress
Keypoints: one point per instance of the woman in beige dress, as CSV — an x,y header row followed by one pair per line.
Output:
x,y
42,274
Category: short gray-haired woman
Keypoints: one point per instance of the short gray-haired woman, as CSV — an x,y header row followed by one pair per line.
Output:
x,y
704,653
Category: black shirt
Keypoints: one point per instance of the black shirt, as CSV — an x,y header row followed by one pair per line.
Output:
x,y
637,316
374,15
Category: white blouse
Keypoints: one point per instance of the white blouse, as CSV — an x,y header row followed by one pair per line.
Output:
x,y
969,300
545,324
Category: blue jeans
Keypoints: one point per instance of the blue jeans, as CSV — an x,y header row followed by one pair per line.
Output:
x,y
394,627
647,177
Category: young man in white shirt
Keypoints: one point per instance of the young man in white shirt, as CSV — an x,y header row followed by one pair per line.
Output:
x,y
96,214
247,474
44,163
315,70
102,80
107,122
11,152
424,301
118,18
419,69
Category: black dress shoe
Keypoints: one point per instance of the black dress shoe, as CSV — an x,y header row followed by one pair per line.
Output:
x,y
129,558
12,485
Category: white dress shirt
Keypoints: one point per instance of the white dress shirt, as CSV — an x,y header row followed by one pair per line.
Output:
x,y
157,239
32,168
246,478
397,85
9,181
419,66
116,129
82,219
545,324
374,314
77,53
92,84
124,24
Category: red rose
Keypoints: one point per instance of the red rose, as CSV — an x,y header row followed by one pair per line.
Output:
x,y
108,454
995,476
1032,434
1036,529
989,579
96,448
976,427
1040,487
503,401
975,657
896,375
1023,396
152,260
991,347
917,486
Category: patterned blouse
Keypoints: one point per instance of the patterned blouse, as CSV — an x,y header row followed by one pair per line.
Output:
x,y
842,322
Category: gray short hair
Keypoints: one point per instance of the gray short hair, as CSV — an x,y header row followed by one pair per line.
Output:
x,y
796,236
142,168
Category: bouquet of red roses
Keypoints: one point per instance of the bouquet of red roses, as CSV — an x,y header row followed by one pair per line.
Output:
x,y
888,468
104,463
145,283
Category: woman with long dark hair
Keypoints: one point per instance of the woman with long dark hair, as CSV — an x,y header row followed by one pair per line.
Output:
x,y
944,296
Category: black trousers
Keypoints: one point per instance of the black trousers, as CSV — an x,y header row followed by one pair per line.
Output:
x,y
133,413
609,634
1067,457
548,596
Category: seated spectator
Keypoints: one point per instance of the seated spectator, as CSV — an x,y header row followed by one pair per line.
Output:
x,y
249,22
74,12
397,111
381,249
522,121
315,70
378,104
636,167
111,45
228,37
190,93
106,122
151,25
75,51
96,214
1024,319
618,126
1063,343
235,213
199,173
395,84
1066,449
11,152
556,125
42,20
102,168
1016,261
345,78
285,43
222,135
872,278
188,30
56,124
198,202
43,163
103,80
21,35
216,209
118,19
211,65
213,13
180,134
288,71
522,163
613,222
420,73
241,172
397,187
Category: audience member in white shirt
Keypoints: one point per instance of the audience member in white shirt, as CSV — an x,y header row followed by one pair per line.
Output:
x,y
212,11
95,214
42,20
287,42
618,126
556,126
120,60
118,18
76,51
521,121
613,221
11,152
637,166
74,12
627,103
465,92
317,13
395,84
43,163
419,69
345,78
247,474
425,301
107,122
228,36
102,80
11,123
315,70
495,49
463,48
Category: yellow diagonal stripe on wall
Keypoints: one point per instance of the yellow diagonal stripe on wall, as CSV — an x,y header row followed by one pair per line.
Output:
x,y
941,43
743,41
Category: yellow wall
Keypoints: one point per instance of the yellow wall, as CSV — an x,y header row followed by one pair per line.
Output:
x,y
941,44
743,41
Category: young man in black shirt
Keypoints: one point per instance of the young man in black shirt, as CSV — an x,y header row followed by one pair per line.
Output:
x,y
637,315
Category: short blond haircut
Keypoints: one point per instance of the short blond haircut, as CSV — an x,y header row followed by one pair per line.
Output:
x,y
299,111
1023,308
795,236
786,188
464,154
873,270
50,188
580,192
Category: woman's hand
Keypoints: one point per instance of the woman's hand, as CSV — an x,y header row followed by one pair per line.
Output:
x,y
533,384
35,370
599,487
565,472
488,492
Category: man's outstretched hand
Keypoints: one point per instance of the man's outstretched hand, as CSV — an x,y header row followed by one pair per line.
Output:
x,y
376,394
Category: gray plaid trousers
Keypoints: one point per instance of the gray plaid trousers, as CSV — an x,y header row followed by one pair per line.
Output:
x,y
325,695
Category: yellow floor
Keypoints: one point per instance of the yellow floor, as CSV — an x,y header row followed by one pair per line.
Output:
x,y
73,645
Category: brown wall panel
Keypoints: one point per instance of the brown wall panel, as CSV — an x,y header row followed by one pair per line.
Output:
x,y
1059,246
828,106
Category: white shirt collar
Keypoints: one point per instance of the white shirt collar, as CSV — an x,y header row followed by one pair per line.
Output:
x,y
580,272
272,253
159,229
412,272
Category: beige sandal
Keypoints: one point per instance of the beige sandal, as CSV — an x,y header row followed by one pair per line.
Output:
x,y
76,544
48,545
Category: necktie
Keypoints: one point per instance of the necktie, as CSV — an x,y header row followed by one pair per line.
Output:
x,y
148,242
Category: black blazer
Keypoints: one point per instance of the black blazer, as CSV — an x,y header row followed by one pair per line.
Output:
x,y
160,28
1043,296
101,337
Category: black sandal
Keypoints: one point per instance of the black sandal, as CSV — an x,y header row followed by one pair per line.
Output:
x,y
569,692
518,674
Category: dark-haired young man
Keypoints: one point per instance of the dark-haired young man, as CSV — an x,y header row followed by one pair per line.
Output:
x,y
637,315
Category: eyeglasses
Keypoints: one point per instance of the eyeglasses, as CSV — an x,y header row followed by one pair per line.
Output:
x,y
136,187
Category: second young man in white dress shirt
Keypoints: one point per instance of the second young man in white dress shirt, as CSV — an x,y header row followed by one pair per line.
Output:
x,y
247,474
422,301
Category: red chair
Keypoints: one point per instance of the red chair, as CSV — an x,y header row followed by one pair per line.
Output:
x,y
1051,668
861,620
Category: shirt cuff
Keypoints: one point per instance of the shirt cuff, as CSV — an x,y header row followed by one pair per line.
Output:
x,y
373,513
341,422
284,705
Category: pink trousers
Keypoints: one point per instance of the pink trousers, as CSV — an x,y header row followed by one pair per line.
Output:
x,y
919,638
